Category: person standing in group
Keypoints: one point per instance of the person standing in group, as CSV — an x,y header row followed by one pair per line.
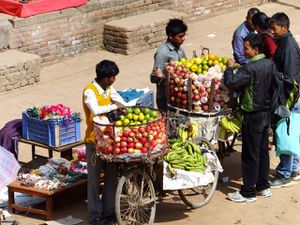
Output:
x,y
287,61
239,36
261,24
99,97
255,81
169,51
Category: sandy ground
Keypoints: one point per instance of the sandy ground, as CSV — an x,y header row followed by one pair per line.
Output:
x,y
63,83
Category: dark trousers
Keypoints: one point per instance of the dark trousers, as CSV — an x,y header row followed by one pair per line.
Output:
x,y
105,206
162,104
255,153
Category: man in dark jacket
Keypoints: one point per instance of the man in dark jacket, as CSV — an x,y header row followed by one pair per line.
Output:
x,y
287,60
255,81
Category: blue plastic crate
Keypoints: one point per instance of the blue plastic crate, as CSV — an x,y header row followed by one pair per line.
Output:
x,y
146,100
50,132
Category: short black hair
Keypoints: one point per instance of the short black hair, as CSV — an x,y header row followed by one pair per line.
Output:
x,y
253,11
255,41
281,19
175,26
261,20
106,68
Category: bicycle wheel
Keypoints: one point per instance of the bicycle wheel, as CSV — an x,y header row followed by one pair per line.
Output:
x,y
135,199
199,196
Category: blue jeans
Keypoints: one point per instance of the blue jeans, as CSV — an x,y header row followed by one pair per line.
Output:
x,y
287,165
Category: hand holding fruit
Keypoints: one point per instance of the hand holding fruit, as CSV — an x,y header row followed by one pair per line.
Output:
x,y
230,63
158,73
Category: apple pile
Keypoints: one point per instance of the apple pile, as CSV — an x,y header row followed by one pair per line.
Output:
x,y
136,131
201,84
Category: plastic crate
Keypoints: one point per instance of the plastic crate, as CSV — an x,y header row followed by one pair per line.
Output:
x,y
51,132
146,100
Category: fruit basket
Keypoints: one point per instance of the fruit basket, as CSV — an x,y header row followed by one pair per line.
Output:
x,y
131,134
196,86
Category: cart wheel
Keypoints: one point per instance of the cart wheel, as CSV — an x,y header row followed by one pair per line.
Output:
x,y
200,196
135,199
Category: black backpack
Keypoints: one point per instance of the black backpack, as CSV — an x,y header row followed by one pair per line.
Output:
x,y
285,95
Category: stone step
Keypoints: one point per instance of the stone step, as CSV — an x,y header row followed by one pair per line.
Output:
x,y
139,33
18,69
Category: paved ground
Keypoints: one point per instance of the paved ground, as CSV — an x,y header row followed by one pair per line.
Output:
x,y
63,83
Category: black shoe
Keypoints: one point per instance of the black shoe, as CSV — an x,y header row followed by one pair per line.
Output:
x,y
295,176
110,220
280,181
97,221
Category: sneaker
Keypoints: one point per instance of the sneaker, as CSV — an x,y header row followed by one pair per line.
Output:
x,y
279,182
295,176
237,197
265,193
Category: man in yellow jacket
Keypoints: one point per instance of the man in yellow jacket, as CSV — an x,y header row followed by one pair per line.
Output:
x,y
99,97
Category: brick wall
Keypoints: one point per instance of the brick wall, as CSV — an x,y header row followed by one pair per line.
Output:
x,y
57,35
18,69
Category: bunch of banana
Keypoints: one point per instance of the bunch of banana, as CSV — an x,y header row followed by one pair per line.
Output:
x,y
194,129
231,124
188,131
186,156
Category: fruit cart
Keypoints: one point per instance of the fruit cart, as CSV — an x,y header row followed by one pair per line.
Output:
x,y
136,139
196,95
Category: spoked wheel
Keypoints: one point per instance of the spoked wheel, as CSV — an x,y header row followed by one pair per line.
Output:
x,y
135,199
200,196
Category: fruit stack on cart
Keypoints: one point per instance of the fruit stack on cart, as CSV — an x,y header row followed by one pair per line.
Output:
x,y
196,93
131,134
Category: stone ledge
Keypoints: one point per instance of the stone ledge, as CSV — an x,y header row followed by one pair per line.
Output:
x,y
138,33
18,69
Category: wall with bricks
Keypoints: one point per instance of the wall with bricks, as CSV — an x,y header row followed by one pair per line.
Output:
x,y
18,69
57,35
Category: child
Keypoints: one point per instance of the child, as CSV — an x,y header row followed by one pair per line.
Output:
x,y
287,61
169,51
255,81
99,97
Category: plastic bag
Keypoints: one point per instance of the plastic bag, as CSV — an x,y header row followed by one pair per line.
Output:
x,y
288,135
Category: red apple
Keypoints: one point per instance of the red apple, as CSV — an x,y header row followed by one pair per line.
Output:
x,y
110,149
118,151
124,150
109,141
144,140
144,150
118,144
124,139
130,139
131,145
142,129
117,139
138,145
126,133
132,134
123,144
138,136
153,143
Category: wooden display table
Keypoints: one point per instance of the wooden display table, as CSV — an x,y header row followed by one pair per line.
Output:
x,y
48,195
65,150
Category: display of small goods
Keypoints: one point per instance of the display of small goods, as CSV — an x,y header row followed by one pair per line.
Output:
x,y
56,173
59,112
192,83
130,132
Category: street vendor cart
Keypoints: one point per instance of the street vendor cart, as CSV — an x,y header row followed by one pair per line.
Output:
x,y
136,138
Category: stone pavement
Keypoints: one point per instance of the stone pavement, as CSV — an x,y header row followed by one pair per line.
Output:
x,y
63,83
